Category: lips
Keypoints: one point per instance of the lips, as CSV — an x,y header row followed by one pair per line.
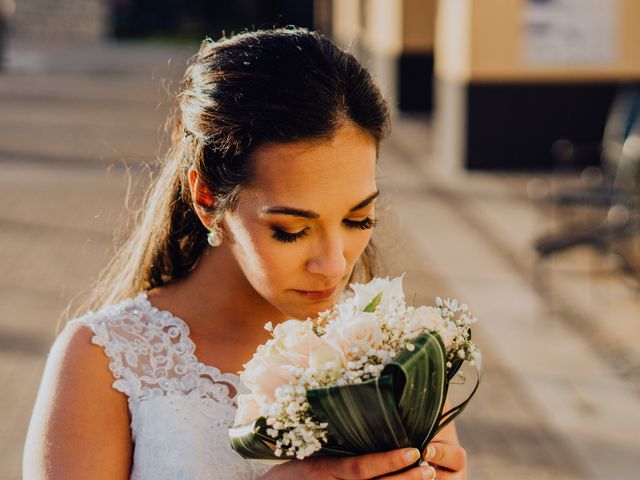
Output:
x,y
316,294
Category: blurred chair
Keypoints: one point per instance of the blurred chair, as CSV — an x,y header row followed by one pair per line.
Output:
x,y
7,8
616,189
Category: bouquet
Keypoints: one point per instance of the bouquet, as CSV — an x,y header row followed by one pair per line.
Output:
x,y
370,374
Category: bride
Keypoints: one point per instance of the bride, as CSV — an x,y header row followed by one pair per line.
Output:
x,y
263,211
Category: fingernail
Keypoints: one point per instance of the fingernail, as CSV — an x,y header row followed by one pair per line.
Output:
x,y
428,473
412,454
431,453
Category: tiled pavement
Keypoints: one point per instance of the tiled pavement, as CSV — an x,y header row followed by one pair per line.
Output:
x,y
560,394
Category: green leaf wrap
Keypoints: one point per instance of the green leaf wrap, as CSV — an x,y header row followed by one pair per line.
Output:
x,y
362,418
421,386
251,440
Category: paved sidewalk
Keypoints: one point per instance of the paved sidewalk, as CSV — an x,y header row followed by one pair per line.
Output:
x,y
560,398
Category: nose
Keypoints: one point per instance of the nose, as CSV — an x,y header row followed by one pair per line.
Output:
x,y
329,258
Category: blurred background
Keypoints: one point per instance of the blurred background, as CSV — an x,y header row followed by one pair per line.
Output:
x,y
511,180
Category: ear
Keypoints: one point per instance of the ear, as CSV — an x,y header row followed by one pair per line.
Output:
x,y
202,198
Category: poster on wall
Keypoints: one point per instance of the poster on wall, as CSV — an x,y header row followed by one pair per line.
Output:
x,y
570,33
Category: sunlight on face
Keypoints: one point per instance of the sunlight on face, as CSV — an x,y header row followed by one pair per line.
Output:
x,y
303,223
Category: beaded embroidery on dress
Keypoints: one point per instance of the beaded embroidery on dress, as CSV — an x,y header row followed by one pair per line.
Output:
x,y
180,408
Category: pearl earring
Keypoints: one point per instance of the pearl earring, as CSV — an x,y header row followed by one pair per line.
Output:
x,y
214,238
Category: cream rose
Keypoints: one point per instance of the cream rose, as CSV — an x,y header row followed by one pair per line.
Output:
x,y
263,378
360,331
425,318
326,353
267,370
364,293
248,408
297,338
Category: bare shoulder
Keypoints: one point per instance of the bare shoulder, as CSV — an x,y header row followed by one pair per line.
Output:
x,y
80,424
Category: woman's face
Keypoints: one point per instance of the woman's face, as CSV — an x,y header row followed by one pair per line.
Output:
x,y
301,225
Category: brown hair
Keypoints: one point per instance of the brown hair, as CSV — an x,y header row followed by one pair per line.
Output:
x,y
278,85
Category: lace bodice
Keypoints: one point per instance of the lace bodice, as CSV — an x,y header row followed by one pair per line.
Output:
x,y
180,408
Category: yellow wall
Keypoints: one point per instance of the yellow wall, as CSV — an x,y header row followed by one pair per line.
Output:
x,y
492,47
418,25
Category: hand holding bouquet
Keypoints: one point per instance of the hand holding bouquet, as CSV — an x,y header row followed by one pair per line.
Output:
x,y
369,375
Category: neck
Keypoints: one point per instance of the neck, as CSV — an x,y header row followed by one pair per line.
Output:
x,y
217,301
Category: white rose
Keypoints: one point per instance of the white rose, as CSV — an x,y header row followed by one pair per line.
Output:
x,y
248,409
263,379
361,331
425,318
272,353
364,293
325,354
267,370
297,339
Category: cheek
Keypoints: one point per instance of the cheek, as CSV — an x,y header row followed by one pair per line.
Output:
x,y
267,264
281,261
245,249
355,245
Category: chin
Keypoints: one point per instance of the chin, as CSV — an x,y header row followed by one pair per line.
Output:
x,y
302,312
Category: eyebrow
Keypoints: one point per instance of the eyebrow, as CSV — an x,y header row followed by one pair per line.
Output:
x,y
296,212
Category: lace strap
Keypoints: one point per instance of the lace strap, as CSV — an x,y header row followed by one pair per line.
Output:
x,y
120,333
151,353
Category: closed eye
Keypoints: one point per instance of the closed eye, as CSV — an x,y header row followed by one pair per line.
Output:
x,y
365,224
287,237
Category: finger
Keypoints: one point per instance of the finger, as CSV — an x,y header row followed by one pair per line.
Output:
x,y
373,465
443,474
447,455
420,473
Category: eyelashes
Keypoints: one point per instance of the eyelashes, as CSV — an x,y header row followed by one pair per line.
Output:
x,y
365,224
287,237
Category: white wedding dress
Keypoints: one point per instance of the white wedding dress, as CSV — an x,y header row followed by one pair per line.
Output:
x,y
180,408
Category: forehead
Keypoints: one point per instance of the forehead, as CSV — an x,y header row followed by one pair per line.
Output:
x,y
312,174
